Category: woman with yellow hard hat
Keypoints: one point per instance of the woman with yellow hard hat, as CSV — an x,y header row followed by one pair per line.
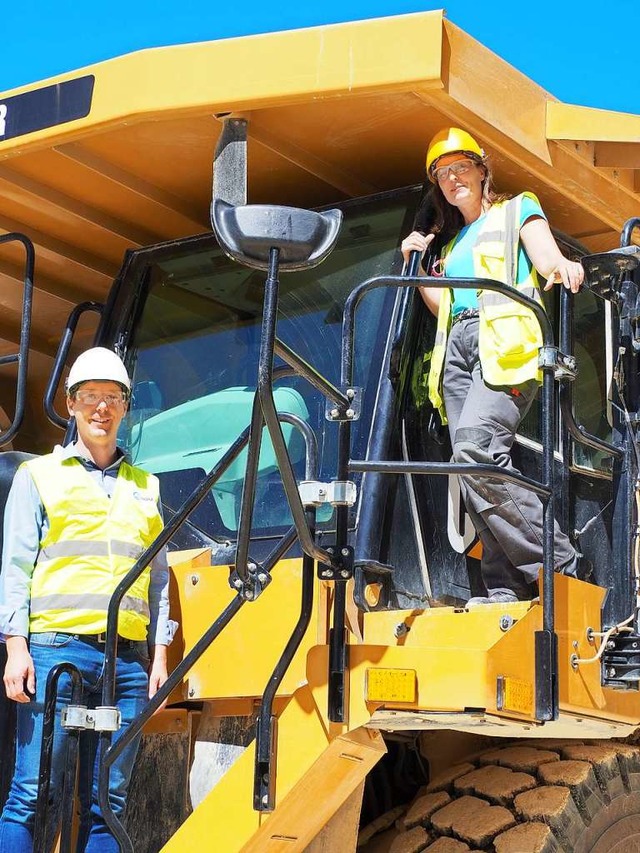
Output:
x,y
484,368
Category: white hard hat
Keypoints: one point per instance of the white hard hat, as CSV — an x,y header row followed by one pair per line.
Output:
x,y
98,364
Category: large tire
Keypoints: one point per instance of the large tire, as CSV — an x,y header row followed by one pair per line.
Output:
x,y
534,797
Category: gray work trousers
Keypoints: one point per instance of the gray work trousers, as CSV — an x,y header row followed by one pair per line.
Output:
x,y
483,421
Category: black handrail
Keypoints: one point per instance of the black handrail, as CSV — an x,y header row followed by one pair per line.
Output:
x,y
22,356
109,751
362,289
270,414
41,828
545,640
253,454
310,442
249,485
247,502
264,773
578,433
61,358
304,369
467,469
108,692
629,226
337,638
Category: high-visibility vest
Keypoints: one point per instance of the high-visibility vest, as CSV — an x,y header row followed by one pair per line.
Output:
x,y
91,544
509,333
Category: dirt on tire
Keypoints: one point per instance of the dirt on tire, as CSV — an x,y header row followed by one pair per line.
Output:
x,y
533,797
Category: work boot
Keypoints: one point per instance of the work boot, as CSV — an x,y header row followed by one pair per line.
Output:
x,y
500,597
578,567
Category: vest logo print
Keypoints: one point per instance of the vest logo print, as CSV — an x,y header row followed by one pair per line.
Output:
x,y
141,496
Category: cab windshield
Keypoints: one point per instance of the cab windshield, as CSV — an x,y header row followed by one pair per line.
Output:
x,y
194,353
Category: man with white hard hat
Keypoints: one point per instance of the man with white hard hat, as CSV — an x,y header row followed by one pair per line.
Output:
x,y
75,522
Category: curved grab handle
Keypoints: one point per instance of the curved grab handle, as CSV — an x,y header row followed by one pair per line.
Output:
x,y
629,226
22,356
60,359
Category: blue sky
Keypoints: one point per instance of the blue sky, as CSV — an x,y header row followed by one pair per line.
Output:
x,y
574,50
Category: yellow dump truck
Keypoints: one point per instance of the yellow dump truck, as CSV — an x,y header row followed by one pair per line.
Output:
x,y
329,687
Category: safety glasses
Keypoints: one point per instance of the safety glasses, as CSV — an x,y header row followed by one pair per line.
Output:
x,y
460,167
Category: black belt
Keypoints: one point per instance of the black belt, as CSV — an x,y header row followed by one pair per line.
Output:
x,y
101,639
467,314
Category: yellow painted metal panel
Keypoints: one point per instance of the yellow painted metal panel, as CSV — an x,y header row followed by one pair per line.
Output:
x,y
578,607
167,721
312,767
448,678
240,661
567,121
478,628
457,656
498,99
513,657
319,793
243,73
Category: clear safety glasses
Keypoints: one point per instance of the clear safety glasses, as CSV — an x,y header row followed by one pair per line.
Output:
x,y
460,167
92,398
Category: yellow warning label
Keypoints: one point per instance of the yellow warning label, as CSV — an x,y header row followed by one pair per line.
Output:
x,y
391,685
517,695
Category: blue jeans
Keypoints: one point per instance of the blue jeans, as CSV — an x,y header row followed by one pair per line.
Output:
x,y
16,822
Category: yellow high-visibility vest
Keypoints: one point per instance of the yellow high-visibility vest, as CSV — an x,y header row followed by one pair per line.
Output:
x,y
91,544
509,334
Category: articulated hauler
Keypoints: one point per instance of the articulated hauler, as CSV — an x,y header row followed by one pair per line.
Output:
x,y
326,673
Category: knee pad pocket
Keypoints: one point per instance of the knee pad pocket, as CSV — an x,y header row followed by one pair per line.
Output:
x,y
471,444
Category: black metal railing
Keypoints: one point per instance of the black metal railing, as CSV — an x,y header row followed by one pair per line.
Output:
x,y
545,640
565,392
264,786
42,828
21,358
61,358
242,566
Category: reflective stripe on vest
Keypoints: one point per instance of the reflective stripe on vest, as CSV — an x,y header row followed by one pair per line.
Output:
x,y
509,334
92,542
85,601
89,549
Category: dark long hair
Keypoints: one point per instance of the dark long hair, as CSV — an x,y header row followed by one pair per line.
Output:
x,y
436,215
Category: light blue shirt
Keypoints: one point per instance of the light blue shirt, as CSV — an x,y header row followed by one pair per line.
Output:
x,y
459,263
25,526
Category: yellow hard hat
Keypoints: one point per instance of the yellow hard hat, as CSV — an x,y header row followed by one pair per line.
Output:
x,y
448,141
